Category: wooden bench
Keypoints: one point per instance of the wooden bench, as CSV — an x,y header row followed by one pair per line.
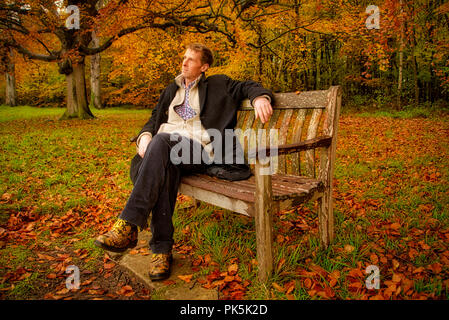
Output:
x,y
301,175
307,122
299,118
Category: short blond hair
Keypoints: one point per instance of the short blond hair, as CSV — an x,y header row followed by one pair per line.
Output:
x,y
206,53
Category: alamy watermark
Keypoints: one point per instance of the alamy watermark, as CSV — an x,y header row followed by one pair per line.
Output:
x,y
73,21
373,280
73,280
373,20
262,146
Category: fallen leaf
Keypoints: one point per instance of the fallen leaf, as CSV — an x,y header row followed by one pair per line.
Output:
x,y
435,267
395,264
397,277
233,268
280,264
108,266
278,287
187,278
308,283
62,291
395,226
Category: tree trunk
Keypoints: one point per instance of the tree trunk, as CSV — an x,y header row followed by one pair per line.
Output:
x,y
415,78
10,79
318,63
77,105
95,71
401,57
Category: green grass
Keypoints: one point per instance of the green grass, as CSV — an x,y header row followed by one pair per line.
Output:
x,y
51,167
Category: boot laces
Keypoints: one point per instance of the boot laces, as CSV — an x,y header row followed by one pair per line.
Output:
x,y
119,225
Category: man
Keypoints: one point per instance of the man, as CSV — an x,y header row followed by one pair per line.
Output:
x,y
188,110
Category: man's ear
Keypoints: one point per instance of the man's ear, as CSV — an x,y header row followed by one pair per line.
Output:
x,y
204,67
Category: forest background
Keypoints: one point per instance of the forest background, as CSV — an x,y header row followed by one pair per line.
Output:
x,y
63,182
286,45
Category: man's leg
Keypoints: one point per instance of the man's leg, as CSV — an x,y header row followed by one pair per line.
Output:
x,y
155,189
151,177
153,174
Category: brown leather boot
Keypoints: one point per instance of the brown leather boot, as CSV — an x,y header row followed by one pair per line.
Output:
x,y
160,266
123,235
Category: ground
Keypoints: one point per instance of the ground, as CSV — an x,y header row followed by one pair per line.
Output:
x,y
64,182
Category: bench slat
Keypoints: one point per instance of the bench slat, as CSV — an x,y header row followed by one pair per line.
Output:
x,y
311,133
284,186
291,100
287,116
296,137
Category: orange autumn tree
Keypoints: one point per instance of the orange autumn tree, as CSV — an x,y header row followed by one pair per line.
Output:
x,y
38,29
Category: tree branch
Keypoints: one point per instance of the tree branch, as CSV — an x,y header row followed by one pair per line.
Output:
x,y
29,54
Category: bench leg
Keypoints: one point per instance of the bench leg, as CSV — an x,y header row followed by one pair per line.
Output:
x,y
326,218
264,222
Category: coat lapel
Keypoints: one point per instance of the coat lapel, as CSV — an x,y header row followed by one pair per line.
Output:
x,y
202,90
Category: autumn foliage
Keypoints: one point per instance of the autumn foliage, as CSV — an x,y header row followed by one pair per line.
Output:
x,y
286,45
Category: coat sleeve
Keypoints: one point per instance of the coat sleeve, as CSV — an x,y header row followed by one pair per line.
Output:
x,y
150,126
249,89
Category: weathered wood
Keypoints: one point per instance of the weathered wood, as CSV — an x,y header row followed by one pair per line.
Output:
x,y
283,138
311,133
327,163
290,100
322,141
264,221
241,117
283,186
261,195
296,137
217,199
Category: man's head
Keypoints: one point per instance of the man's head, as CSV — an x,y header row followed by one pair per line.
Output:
x,y
197,59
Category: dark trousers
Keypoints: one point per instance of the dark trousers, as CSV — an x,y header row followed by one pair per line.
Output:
x,y
156,179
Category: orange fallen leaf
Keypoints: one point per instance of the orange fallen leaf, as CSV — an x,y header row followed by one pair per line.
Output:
x,y
435,267
233,268
278,287
348,248
187,278
280,264
289,287
395,226
397,277
62,291
308,283
395,264
108,266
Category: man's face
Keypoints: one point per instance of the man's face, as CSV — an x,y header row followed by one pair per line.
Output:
x,y
192,66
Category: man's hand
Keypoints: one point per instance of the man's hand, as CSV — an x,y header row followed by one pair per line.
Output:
x,y
143,144
262,109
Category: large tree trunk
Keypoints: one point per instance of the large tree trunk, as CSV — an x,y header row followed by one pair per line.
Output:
x,y
95,71
77,105
10,79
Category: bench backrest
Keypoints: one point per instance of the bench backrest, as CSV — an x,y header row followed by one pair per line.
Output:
x,y
297,117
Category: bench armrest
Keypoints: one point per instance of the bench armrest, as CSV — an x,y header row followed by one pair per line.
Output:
x,y
322,141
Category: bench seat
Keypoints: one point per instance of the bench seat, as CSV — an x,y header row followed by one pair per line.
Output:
x,y
239,196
